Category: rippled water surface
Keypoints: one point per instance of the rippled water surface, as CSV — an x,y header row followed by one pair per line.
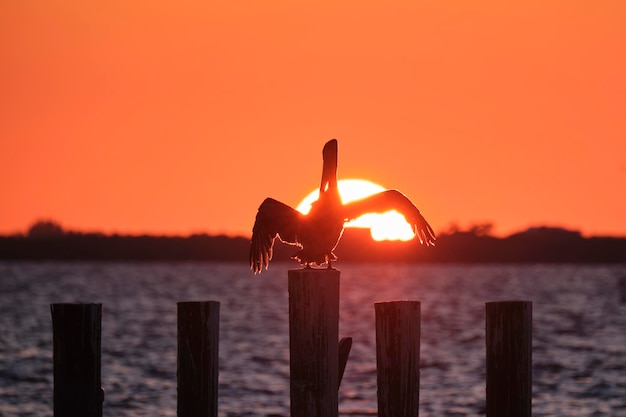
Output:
x,y
579,334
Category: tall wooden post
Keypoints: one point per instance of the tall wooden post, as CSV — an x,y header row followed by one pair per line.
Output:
x,y
198,342
509,358
76,341
398,358
313,342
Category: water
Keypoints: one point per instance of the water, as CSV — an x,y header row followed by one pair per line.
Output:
x,y
579,334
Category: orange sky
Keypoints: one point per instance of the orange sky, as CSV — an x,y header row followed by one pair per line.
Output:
x,y
179,117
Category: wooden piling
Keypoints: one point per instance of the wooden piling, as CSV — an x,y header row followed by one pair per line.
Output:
x,y
76,341
313,342
198,341
509,358
345,345
398,358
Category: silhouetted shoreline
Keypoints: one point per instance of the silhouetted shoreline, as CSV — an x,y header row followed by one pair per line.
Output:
x,y
535,245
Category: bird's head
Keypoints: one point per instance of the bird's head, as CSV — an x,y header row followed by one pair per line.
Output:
x,y
329,169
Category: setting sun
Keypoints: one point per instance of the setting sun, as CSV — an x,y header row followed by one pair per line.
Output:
x,y
390,225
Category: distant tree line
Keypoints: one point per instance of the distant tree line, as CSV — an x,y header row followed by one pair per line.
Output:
x,y
46,240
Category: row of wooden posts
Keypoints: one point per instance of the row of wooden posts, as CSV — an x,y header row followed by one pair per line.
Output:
x,y
317,357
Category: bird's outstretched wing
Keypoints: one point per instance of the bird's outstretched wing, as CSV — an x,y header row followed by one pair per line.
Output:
x,y
392,200
273,219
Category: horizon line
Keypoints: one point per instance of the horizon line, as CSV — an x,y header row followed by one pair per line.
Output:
x,y
481,228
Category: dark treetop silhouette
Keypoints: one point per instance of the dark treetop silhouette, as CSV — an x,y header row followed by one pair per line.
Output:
x,y
319,231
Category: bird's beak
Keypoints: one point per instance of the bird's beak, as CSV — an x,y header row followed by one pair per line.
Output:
x,y
329,169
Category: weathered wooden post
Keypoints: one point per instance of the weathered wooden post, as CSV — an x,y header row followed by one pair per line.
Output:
x,y
198,342
345,344
76,341
398,358
313,342
509,358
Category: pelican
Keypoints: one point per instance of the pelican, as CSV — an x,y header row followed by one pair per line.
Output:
x,y
318,232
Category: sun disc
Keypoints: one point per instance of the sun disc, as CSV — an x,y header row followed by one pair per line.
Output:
x,y
390,225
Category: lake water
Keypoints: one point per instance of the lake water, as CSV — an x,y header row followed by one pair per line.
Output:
x,y
579,334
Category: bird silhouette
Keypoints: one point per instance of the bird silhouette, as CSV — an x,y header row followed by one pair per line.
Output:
x,y
318,232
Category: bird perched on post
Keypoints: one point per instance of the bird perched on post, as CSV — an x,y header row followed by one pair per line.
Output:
x,y
318,232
